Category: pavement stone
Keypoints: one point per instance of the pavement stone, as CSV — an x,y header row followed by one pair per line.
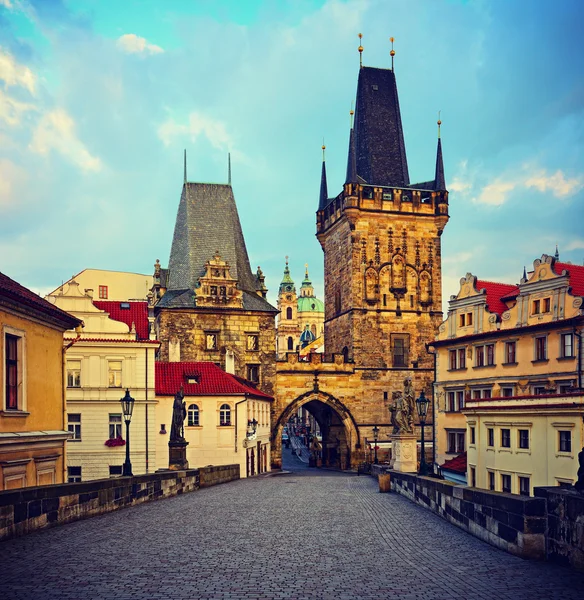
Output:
x,y
303,534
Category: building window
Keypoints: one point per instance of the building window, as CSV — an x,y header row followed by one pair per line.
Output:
x,y
13,367
289,313
510,348
523,438
103,292
481,393
506,483
210,340
225,415
539,390
567,345
114,368
490,354
193,415
253,341
547,305
253,373
473,477
541,348
460,399
472,436
565,441
566,387
290,343
455,442
74,426
115,426
400,349
490,437
73,373
455,401
505,438
451,402
452,358
491,480
506,392
524,486
115,470
73,474
480,356
536,307
462,358
462,319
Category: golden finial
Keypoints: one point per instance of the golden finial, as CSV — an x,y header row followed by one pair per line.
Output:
x,y
439,123
351,113
286,260
392,53
323,149
360,51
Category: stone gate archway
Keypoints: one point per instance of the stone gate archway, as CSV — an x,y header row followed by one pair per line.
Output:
x,y
341,440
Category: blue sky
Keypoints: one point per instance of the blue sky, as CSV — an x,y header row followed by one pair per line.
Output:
x,y
98,99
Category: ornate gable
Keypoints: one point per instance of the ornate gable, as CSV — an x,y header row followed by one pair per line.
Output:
x,y
216,287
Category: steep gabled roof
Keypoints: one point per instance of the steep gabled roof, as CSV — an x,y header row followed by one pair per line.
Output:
x,y
211,381
379,139
128,313
575,274
439,181
19,298
495,291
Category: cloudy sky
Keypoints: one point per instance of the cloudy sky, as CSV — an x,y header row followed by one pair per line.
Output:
x,y
98,98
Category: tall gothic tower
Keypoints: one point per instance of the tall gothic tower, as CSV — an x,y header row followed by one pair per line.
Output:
x,y
381,240
288,331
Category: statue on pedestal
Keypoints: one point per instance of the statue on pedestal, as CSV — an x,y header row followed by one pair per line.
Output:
x,y
179,413
402,409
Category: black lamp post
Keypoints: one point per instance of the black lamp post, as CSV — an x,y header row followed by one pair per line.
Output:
x,y
422,405
375,438
127,403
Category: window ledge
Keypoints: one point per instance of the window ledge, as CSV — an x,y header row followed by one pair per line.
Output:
x,y
564,455
563,358
510,364
14,413
458,369
484,366
523,451
505,449
194,427
540,360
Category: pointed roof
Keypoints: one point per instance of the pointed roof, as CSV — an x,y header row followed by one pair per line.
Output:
x,y
352,159
207,222
286,279
306,281
323,188
379,140
439,181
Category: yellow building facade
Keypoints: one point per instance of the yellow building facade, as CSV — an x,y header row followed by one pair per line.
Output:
x,y
114,352
32,415
509,378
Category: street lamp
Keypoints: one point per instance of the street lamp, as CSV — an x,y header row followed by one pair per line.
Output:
x,y
422,406
127,403
375,438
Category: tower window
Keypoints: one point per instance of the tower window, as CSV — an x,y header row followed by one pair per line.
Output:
x,y
400,349
289,313
290,343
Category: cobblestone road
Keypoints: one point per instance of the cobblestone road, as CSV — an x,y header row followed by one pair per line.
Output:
x,y
298,535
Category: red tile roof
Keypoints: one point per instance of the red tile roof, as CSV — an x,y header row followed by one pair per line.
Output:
x,y
13,292
112,340
456,464
136,313
495,291
576,275
212,381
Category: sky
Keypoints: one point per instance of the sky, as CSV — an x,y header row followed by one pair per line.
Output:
x,y
99,98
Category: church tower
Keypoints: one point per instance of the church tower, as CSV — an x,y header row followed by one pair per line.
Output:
x,y
381,240
288,331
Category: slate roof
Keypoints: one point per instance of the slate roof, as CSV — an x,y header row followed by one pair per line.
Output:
x,y
207,222
495,291
576,275
323,199
18,297
379,139
211,381
137,313
457,464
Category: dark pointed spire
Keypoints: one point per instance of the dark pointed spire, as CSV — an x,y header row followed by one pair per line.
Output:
x,y
557,254
352,157
323,187
524,278
439,181
229,170
185,162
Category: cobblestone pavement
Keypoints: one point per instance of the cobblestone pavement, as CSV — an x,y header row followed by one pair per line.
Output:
x,y
298,535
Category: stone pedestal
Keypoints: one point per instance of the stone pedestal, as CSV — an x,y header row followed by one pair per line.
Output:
x,y
177,455
404,452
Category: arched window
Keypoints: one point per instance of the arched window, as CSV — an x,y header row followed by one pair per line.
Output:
x,y
225,415
192,415
290,343
289,312
346,353
313,329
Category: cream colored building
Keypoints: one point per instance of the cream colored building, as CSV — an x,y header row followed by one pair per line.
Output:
x,y
509,378
111,285
221,410
113,353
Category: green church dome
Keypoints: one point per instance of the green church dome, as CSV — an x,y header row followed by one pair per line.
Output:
x,y
310,304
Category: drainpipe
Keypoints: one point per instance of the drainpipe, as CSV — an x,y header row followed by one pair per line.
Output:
x,y
236,405
433,406
63,369
146,400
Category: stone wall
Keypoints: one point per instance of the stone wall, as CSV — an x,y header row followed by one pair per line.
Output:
x,y
513,523
29,509
565,525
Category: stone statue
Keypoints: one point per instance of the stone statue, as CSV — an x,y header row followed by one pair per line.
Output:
x,y
179,413
402,409
579,485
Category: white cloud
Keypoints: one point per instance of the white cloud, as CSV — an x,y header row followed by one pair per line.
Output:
x,y
495,193
15,74
556,183
11,177
198,124
56,131
11,110
134,44
6,3
574,245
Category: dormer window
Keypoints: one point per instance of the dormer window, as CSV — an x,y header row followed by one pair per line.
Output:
x,y
192,379
125,305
